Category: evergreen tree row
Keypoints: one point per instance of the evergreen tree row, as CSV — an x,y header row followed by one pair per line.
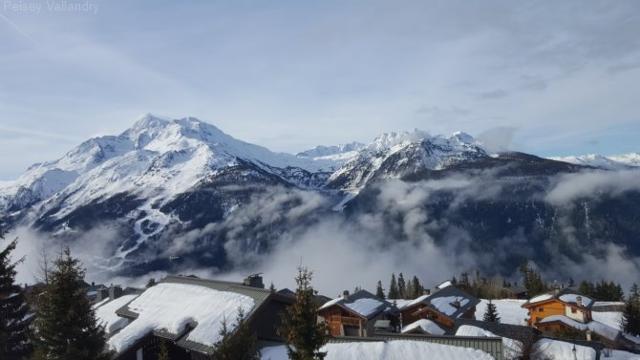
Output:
x,y
401,289
602,290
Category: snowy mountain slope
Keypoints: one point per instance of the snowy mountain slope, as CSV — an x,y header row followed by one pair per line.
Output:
x,y
614,162
393,155
170,193
155,155
339,153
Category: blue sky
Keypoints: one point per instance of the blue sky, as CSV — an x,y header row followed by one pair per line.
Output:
x,y
551,78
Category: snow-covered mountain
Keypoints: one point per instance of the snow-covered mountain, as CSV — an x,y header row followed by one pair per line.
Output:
x,y
171,189
337,153
393,155
613,162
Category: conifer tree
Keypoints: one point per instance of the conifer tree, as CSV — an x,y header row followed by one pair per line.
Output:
x,y
393,288
631,312
272,288
239,343
379,290
491,314
14,329
402,287
417,288
65,324
303,334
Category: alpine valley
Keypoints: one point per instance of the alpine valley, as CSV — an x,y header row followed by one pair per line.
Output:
x,y
169,194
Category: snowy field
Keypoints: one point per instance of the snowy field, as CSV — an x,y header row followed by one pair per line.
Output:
x,y
392,350
509,310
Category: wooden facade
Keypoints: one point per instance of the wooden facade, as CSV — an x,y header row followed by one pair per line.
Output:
x,y
341,322
540,310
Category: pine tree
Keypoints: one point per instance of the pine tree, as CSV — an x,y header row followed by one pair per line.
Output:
x,y
302,332
65,324
151,282
14,329
163,354
393,288
491,314
402,287
631,312
417,288
272,288
379,290
239,343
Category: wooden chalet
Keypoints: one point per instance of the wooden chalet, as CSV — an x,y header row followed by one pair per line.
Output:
x,y
442,307
263,319
558,303
356,314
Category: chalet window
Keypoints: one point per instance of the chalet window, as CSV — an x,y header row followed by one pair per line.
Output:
x,y
540,309
573,310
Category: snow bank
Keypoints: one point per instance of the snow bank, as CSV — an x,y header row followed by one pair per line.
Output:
x,y
106,313
511,347
425,325
392,350
172,307
621,355
510,311
557,350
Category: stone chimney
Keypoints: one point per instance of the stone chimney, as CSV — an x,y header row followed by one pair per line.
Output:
x,y
254,280
345,294
579,300
426,292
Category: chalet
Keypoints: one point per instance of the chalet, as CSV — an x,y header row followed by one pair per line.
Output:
x,y
567,311
559,303
186,314
442,308
357,314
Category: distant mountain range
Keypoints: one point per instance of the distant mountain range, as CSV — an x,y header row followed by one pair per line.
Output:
x,y
175,193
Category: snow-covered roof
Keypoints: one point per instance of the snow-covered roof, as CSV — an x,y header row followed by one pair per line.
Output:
x,y
380,350
424,325
188,308
362,303
597,327
567,296
449,301
573,298
445,284
106,313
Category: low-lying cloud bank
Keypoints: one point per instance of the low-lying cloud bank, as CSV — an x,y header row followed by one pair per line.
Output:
x,y
280,229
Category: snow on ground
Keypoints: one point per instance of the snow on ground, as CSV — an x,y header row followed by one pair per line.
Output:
x,y
560,350
172,307
391,350
509,310
106,313
426,325
621,355
510,347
